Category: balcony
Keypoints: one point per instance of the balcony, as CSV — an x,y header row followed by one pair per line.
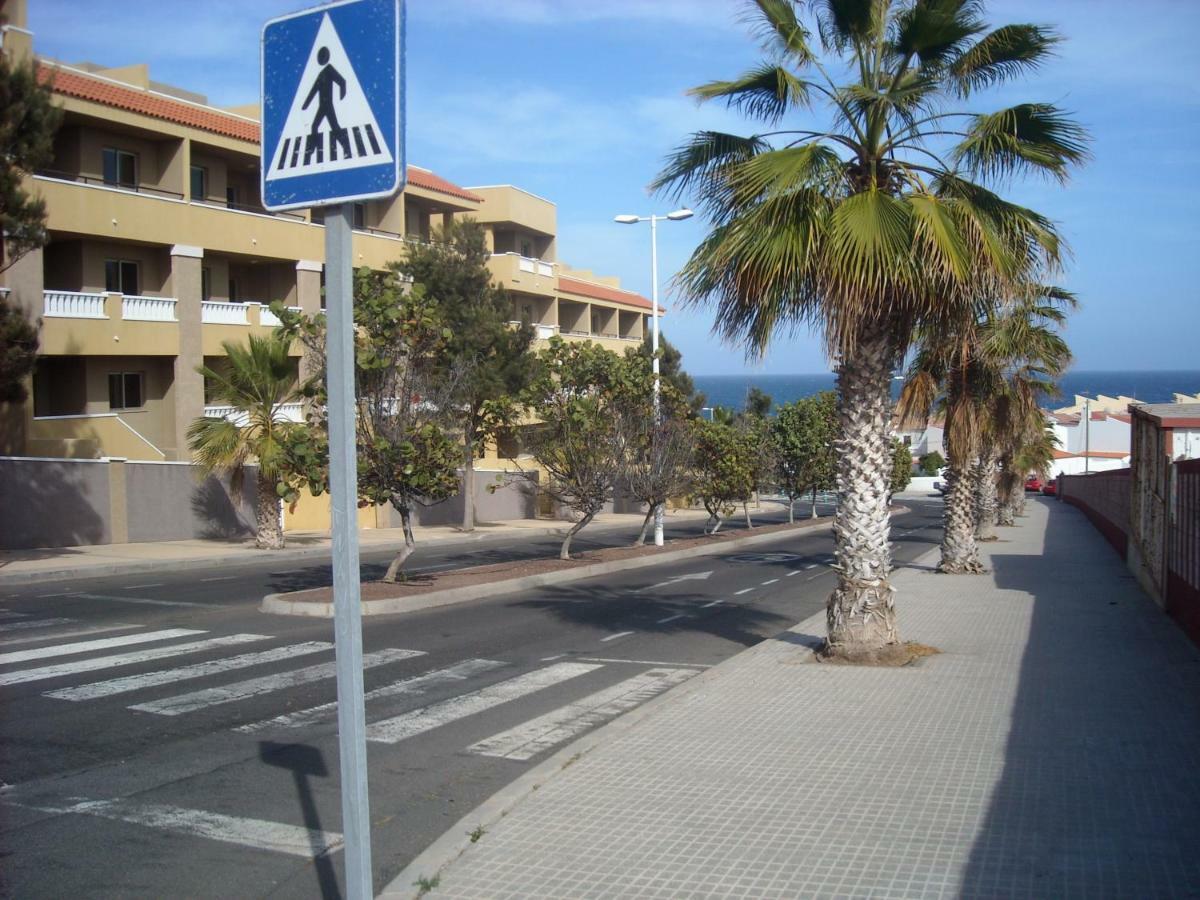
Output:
x,y
284,412
540,332
521,273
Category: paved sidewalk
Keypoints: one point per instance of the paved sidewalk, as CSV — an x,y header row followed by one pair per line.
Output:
x,y
28,566
1051,750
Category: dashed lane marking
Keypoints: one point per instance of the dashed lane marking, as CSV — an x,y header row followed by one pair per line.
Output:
x,y
793,572
810,566
742,591
613,637
144,601
672,618
769,581
711,603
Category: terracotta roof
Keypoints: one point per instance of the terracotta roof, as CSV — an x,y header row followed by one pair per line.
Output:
x,y
603,292
71,83
423,178
1094,454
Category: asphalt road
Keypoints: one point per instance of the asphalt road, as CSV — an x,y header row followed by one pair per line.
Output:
x,y
161,737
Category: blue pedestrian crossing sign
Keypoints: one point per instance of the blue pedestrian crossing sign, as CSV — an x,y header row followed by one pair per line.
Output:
x,y
333,104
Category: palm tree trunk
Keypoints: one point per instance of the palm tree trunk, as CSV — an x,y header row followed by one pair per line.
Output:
x,y
565,551
1010,483
985,497
861,613
269,530
960,555
468,484
1020,504
393,573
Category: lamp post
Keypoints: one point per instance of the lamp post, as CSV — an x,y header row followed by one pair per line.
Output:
x,y
676,216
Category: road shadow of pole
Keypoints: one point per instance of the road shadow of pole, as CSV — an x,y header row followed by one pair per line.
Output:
x,y
305,762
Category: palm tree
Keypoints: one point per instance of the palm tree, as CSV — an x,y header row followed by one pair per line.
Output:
x,y
869,221
1034,455
255,380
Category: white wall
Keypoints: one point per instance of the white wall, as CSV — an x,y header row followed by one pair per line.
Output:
x,y
1075,465
1185,443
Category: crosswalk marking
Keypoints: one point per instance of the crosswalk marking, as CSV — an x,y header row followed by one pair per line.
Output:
x,y
293,840
57,670
185,673
531,738
242,690
415,685
59,635
34,623
417,721
102,644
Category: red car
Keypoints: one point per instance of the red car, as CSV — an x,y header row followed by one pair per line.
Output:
x,y
1033,483
1050,488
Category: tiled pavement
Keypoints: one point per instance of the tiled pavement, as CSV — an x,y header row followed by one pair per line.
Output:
x,y
1051,750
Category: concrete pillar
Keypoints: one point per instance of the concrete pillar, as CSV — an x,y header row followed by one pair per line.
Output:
x,y
187,390
308,286
118,501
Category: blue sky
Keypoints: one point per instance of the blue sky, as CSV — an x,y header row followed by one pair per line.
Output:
x,y
579,102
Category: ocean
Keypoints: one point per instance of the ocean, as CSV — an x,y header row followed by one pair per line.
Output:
x,y
1149,387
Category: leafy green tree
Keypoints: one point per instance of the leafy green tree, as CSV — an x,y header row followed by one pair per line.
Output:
x,y
18,352
486,359
28,122
255,379
725,469
902,463
670,365
931,462
804,433
758,403
407,455
573,396
724,415
868,216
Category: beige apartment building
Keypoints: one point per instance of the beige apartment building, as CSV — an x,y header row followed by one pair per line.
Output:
x,y
160,251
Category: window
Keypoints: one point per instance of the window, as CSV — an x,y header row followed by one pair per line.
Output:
x,y
360,215
124,390
121,276
199,183
120,167
232,196
317,214
527,249
233,290
206,283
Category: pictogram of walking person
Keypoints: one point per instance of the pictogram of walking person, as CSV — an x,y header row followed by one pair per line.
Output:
x,y
322,90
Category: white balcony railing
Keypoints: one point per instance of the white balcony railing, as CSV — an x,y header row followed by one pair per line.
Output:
x,y
546,269
74,305
266,317
214,313
525,264
542,332
147,309
284,412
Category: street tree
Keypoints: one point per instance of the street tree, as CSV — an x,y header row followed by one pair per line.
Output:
x,y
29,120
930,462
902,463
255,379
573,398
18,351
804,433
670,365
486,354
869,221
724,470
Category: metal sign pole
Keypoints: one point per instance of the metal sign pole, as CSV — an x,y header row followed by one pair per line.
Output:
x,y
343,493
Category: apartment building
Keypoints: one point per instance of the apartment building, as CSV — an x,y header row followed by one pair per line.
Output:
x,y
160,251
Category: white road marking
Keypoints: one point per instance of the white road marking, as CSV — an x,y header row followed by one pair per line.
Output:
x,y
416,685
695,576
257,833
552,658
59,635
531,738
102,644
672,618
125,659
769,581
613,637
242,690
793,572
34,623
138,587
139,600
810,566
426,718
742,591
220,578
184,673
715,602
644,662
6,614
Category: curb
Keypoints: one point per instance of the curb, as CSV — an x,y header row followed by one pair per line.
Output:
x,y
446,850
278,604
182,564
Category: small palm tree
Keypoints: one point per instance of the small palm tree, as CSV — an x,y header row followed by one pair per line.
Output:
x,y
868,217
255,381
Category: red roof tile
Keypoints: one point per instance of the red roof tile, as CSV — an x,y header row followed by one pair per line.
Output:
x,y
1094,454
603,292
148,103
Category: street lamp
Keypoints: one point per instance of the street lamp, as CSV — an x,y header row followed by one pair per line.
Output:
x,y
676,216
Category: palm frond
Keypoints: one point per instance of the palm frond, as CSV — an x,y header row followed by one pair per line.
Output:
x,y
1028,137
766,92
695,165
782,34
1002,54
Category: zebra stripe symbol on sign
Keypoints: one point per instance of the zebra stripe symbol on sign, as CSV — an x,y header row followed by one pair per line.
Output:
x,y
330,126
